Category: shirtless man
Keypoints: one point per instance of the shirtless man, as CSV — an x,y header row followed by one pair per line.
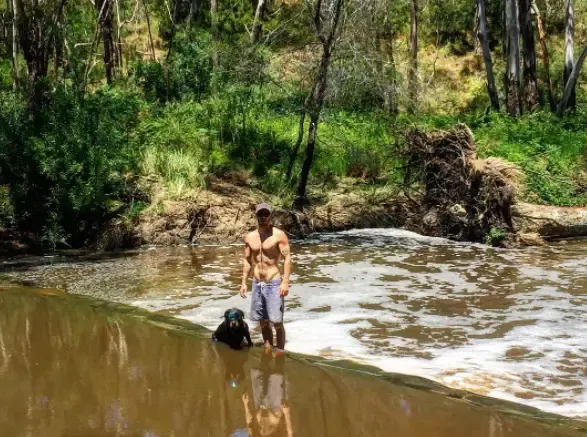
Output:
x,y
264,248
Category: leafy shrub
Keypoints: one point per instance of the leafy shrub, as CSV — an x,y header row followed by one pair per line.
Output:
x,y
64,166
188,75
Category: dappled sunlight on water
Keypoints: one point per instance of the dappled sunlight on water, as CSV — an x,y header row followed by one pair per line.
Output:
x,y
510,324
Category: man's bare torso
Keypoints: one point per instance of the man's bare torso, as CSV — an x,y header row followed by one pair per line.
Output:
x,y
265,253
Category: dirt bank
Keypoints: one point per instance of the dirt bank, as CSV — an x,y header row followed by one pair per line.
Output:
x,y
224,212
448,191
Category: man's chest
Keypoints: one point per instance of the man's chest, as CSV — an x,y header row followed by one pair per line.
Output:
x,y
269,245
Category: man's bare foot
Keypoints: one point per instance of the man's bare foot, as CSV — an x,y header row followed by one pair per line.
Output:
x,y
278,352
268,348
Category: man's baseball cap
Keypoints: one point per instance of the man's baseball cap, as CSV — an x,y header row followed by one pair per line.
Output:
x,y
262,206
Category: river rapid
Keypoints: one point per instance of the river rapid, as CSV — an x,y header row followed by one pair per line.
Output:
x,y
510,324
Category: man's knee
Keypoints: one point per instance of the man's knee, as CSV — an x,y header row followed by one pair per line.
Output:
x,y
264,323
278,326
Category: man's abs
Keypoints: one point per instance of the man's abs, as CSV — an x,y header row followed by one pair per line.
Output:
x,y
266,272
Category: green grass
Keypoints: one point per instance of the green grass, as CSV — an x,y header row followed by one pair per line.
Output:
x,y
550,151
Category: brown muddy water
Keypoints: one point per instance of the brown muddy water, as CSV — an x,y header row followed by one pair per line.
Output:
x,y
510,324
74,368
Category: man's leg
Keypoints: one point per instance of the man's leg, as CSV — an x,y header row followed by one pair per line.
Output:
x,y
280,335
275,309
267,333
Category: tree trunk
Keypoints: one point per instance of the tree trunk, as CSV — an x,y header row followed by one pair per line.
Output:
x,y
92,48
529,55
36,32
215,39
119,54
482,36
318,94
569,53
14,43
257,22
316,108
513,58
296,148
389,68
413,71
107,27
194,11
571,84
149,30
170,49
545,58
476,30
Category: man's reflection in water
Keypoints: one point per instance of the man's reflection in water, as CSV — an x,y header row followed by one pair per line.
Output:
x,y
270,415
264,399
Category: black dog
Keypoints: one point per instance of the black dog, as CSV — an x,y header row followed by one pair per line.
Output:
x,y
233,330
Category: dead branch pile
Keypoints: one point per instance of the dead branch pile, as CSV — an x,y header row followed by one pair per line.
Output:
x,y
463,196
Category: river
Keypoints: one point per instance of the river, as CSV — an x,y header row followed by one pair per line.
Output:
x,y
504,323
79,367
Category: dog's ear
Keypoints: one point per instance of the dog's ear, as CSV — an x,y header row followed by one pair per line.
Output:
x,y
226,313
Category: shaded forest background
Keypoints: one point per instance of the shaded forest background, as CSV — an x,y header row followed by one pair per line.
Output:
x,y
109,106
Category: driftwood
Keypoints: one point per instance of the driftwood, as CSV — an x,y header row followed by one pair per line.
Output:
x,y
550,222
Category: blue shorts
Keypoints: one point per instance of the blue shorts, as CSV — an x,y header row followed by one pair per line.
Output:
x,y
266,303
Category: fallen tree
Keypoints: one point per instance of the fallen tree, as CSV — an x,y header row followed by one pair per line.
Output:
x,y
550,222
463,197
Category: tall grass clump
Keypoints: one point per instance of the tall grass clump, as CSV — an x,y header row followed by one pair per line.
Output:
x,y
176,147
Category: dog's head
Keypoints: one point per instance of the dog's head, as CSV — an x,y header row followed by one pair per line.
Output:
x,y
234,318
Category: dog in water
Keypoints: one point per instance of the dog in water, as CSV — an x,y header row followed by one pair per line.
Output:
x,y
233,330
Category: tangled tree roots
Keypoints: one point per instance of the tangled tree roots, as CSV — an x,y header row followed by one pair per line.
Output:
x,y
464,197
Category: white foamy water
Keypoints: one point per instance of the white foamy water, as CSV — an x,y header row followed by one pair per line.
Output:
x,y
508,324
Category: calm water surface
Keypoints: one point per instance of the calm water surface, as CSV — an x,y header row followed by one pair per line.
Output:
x,y
509,324
71,369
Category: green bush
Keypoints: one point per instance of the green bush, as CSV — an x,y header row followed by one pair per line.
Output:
x,y
187,76
63,167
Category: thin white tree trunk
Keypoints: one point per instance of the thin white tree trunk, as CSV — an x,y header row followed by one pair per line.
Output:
x,y
569,43
513,57
571,83
257,24
215,40
413,72
15,43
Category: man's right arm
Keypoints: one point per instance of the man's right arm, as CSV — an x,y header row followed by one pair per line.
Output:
x,y
246,268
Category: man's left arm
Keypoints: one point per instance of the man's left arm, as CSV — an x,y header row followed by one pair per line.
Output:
x,y
285,252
